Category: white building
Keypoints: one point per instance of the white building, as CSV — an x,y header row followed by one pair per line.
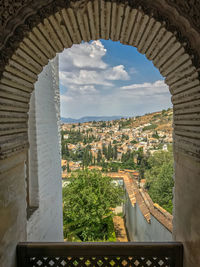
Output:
x,y
165,147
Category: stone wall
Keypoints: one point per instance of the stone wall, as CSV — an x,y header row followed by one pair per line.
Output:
x,y
44,175
12,207
140,230
187,213
145,220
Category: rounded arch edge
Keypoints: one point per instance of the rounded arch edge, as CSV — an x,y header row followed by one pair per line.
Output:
x,y
167,49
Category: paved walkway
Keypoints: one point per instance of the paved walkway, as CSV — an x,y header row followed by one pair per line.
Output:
x,y
120,229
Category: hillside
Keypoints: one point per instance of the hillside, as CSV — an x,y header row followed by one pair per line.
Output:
x,y
160,121
90,118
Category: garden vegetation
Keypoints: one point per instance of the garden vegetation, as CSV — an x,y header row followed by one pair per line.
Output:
x,y
88,200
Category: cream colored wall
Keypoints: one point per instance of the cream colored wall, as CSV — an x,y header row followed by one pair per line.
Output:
x,y
46,223
187,207
12,207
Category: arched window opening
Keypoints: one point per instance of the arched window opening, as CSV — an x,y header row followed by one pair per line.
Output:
x,y
97,80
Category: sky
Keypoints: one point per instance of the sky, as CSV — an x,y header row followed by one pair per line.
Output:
x,y
106,78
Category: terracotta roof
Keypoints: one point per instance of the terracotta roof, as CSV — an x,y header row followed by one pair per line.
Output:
x,y
142,198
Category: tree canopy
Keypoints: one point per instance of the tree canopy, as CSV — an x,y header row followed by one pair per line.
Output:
x,y
87,203
159,179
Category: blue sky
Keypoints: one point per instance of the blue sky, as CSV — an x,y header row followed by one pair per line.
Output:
x,y
105,78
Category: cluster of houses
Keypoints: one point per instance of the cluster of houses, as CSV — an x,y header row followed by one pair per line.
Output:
x,y
125,138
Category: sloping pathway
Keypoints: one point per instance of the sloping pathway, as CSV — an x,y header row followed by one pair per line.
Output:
x,y
120,229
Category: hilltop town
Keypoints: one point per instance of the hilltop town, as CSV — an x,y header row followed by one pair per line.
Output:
x,y
117,144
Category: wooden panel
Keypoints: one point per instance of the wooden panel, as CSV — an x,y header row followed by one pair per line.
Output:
x,y
100,254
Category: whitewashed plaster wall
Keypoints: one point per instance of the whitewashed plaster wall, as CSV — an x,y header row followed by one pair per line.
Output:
x,y
44,167
139,230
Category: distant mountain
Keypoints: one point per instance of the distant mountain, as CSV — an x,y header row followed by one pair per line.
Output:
x,y
90,118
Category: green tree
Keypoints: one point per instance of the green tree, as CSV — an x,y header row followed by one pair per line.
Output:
x,y
103,124
110,152
140,156
133,142
142,169
99,156
159,179
125,136
156,135
87,156
64,149
87,203
115,152
64,167
161,189
105,150
68,169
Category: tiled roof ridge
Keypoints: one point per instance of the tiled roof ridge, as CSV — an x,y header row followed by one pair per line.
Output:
x,y
144,201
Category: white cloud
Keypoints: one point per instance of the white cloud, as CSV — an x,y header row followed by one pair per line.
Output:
x,y
119,102
84,73
83,77
83,65
85,55
83,90
87,89
65,98
117,73
146,89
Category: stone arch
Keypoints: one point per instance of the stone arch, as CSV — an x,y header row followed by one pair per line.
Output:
x,y
91,20
167,32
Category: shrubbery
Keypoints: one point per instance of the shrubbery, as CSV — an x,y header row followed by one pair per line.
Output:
x,y
159,179
87,203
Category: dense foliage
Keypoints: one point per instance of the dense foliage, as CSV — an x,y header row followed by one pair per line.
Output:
x,y
159,178
150,127
107,158
87,203
132,160
75,137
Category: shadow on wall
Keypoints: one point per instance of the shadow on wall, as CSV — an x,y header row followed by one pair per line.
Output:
x,y
145,221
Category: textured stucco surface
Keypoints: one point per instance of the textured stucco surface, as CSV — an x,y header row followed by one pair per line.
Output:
x,y
12,208
45,224
187,212
140,230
